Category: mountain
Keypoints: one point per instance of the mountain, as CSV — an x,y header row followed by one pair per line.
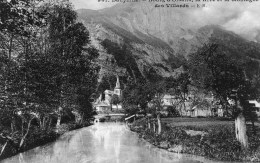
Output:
x,y
143,40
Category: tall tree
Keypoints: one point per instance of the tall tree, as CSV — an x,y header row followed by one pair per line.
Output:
x,y
178,87
76,71
18,19
215,71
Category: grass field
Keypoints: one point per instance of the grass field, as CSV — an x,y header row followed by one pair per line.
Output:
x,y
206,123
178,121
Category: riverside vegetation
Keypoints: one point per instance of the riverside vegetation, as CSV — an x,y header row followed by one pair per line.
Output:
x,y
47,73
38,137
216,142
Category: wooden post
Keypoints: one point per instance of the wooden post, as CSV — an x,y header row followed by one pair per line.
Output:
x,y
149,125
154,127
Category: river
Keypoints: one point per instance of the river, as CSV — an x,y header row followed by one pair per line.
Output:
x,y
101,143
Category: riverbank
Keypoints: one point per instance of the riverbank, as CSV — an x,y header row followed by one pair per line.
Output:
x,y
102,143
38,138
215,142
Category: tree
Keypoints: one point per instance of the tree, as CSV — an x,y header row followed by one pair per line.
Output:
x,y
215,71
115,100
76,69
178,87
18,19
156,108
46,63
138,94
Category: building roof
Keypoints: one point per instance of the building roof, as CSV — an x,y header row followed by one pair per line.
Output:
x,y
102,103
109,92
167,96
257,104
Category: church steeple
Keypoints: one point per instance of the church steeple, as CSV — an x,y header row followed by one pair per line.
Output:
x,y
117,83
117,89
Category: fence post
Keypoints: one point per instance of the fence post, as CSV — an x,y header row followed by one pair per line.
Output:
x,y
149,125
154,127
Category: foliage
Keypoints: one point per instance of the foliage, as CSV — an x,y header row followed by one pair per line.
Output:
x,y
107,83
224,75
46,63
115,100
76,73
215,71
140,93
18,16
178,87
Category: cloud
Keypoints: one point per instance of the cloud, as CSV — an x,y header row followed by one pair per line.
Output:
x,y
242,18
91,4
247,24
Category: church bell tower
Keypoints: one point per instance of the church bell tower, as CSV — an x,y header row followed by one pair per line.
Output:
x,y
117,89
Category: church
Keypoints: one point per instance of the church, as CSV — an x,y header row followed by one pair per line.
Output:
x,y
105,105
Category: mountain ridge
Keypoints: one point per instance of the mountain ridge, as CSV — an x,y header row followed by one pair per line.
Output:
x,y
160,40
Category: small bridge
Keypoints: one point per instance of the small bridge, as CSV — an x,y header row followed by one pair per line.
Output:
x,y
134,116
105,115
115,115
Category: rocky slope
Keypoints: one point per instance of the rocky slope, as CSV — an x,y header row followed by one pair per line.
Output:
x,y
157,40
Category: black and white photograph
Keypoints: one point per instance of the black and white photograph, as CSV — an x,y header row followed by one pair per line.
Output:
x,y
129,81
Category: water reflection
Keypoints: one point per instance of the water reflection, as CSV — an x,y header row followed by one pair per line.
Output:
x,y
101,143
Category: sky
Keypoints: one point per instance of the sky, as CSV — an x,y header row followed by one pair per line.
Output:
x,y
242,18
91,4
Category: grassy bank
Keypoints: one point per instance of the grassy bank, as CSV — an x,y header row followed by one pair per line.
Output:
x,y
37,138
214,139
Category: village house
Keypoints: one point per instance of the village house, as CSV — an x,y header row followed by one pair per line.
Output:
x,y
257,105
207,108
170,101
187,109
